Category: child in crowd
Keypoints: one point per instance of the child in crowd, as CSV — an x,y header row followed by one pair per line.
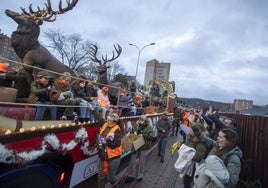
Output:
x,y
104,102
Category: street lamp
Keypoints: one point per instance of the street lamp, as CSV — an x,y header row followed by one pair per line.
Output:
x,y
139,54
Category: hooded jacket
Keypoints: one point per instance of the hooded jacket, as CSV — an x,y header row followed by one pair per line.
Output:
x,y
212,173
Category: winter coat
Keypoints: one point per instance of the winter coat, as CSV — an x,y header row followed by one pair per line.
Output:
x,y
165,125
147,133
103,100
57,89
230,159
201,150
88,93
125,100
21,83
38,93
212,173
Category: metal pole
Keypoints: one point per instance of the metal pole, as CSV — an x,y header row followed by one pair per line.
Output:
x,y
139,54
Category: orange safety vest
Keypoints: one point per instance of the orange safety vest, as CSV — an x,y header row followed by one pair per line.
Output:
x,y
111,153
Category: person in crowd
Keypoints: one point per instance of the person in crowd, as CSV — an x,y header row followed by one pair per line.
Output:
x,y
219,123
201,152
132,87
110,150
204,114
39,94
177,119
20,83
146,102
61,94
104,102
155,89
136,168
81,90
163,125
92,91
126,103
224,165
185,122
138,104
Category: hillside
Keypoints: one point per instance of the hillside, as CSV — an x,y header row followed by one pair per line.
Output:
x,y
196,102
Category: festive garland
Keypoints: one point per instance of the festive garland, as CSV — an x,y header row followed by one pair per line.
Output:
x,y
50,142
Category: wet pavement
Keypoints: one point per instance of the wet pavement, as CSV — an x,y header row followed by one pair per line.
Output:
x,y
157,174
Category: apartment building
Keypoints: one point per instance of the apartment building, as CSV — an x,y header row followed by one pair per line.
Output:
x,y
156,71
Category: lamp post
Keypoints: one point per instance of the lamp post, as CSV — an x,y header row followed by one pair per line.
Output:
x,y
139,54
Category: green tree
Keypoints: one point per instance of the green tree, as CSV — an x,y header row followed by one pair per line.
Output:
x,y
121,78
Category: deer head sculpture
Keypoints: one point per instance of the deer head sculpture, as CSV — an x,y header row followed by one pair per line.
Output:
x,y
102,68
25,39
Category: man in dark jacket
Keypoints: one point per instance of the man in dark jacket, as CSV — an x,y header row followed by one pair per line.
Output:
x,y
20,83
39,95
163,125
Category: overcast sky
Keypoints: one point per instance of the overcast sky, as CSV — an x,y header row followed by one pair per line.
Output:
x,y
218,50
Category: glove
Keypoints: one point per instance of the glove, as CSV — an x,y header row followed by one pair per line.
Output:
x,y
49,88
67,94
103,140
110,138
64,95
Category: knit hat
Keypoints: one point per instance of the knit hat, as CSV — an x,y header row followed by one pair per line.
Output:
x,y
43,74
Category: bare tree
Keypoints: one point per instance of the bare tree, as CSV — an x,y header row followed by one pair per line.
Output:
x,y
74,52
71,50
115,69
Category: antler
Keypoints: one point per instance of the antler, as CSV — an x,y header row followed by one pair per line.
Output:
x,y
48,13
93,54
118,50
94,51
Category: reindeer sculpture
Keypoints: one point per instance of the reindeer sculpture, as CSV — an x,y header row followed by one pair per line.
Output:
x,y
25,39
102,70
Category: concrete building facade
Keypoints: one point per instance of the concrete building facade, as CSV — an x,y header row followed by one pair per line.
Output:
x,y
156,71
242,104
7,51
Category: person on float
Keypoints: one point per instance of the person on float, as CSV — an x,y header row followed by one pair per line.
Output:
x,y
104,102
61,94
80,90
39,94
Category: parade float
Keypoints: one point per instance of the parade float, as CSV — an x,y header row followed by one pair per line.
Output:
x,y
60,153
